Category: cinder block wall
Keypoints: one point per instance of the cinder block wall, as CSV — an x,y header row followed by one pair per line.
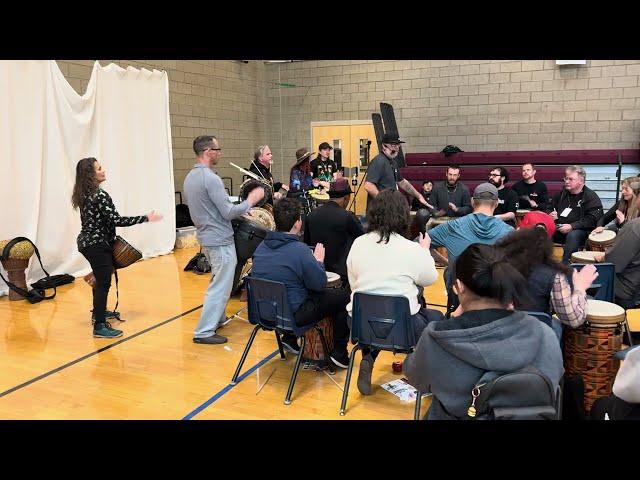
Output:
x,y
477,105
223,98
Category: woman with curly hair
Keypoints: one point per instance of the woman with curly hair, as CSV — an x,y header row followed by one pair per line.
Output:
x,y
99,221
552,286
384,261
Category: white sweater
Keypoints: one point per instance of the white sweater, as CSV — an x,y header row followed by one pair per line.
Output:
x,y
393,268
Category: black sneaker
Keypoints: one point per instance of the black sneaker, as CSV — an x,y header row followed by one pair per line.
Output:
x,y
104,330
340,359
214,339
291,345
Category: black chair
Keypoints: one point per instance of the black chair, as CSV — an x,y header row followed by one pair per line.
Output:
x,y
380,322
268,309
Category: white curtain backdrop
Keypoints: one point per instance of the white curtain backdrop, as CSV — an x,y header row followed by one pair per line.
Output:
x,y
46,127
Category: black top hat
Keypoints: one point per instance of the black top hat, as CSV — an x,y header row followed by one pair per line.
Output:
x,y
392,138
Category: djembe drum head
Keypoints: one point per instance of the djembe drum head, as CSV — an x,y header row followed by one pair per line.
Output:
x,y
249,185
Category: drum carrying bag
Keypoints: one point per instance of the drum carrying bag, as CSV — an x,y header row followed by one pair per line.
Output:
x,y
37,294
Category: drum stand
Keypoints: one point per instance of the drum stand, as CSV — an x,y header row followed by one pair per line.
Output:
x,y
237,314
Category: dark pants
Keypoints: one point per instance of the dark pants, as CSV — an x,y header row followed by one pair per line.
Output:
x,y
332,303
100,258
572,241
420,321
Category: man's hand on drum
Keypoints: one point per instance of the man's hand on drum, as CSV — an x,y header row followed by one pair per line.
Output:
x,y
598,230
255,196
154,217
318,252
324,184
583,279
599,257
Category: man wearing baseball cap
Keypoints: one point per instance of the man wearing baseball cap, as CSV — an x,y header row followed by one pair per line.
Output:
x,y
480,226
322,167
383,171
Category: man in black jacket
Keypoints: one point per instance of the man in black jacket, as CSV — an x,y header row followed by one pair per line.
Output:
x,y
507,198
451,197
576,210
335,228
261,166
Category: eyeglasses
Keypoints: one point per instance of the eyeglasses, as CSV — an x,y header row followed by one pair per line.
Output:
x,y
495,175
216,149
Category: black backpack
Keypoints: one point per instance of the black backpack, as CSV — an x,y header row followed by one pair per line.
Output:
x,y
522,395
450,150
183,217
199,264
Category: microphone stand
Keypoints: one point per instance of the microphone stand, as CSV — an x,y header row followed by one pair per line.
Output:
x,y
353,200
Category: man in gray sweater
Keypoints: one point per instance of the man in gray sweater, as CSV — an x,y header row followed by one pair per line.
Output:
x,y
212,212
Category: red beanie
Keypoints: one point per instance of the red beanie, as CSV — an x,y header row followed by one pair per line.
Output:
x,y
535,218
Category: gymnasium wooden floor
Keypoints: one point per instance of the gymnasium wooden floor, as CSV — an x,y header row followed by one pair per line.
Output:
x,y
54,369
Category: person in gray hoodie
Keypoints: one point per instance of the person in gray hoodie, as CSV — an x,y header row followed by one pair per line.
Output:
x,y
487,336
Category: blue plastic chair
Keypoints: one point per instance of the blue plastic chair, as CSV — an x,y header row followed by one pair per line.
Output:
x,y
380,322
268,309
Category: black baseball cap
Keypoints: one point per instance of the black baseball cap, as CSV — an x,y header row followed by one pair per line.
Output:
x,y
324,145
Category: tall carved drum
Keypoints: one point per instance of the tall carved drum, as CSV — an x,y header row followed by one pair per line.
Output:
x,y
601,242
589,349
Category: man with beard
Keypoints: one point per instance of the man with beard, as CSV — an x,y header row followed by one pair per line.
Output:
x,y
322,167
452,197
383,172
531,193
507,198
261,166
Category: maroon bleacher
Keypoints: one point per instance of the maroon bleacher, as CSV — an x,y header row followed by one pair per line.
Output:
x,y
475,166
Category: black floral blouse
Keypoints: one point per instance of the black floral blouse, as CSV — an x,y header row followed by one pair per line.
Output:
x,y
100,218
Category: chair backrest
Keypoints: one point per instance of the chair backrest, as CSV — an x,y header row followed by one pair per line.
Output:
x,y
604,284
268,305
544,317
382,322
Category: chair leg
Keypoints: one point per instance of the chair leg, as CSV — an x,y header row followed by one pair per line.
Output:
x,y
416,414
325,347
282,354
287,399
347,381
244,354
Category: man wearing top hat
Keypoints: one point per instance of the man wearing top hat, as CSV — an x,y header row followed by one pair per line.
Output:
x,y
383,171
322,167
334,227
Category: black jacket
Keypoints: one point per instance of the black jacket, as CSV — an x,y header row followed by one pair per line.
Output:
x,y
336,228
264,172
586,208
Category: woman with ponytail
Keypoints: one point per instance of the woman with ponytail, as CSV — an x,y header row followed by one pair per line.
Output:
x,y
487,336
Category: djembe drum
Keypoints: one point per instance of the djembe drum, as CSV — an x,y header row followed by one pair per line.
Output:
x,y
520,213
589,349
16,264
124,254
313,353
601,242
585,256
251,183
